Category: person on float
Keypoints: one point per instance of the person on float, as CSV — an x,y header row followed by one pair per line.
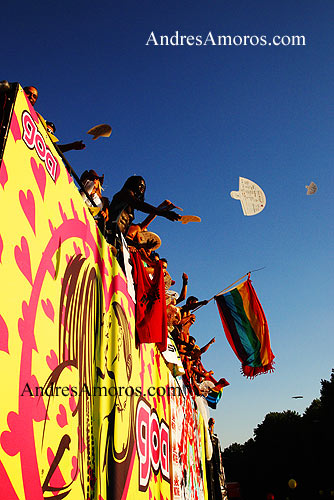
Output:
x,y
71,146
32,95
125,202
92,183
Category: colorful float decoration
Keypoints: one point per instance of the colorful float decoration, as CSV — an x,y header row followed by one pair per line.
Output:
x,y
86,413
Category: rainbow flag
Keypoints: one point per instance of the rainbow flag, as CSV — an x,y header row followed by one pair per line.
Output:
x,y
214,397
246,328
215,393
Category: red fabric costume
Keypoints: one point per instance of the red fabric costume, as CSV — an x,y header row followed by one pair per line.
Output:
x,y
151,317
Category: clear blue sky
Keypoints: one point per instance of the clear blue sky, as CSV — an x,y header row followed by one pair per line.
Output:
x,y
190,120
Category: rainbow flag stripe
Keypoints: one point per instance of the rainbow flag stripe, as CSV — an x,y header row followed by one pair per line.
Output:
x,y
246,328
214,397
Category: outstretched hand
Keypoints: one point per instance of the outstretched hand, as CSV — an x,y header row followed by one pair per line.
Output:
x,y
169,205
173,216
78,145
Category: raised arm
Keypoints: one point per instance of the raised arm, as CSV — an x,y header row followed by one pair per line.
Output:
x,y
183,293
206,347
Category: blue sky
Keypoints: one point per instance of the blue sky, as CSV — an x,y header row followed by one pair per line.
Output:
x,y
190,120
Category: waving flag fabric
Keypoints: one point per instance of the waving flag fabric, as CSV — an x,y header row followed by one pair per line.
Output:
x,y
216,393
214,397
151,316
246,328
212,390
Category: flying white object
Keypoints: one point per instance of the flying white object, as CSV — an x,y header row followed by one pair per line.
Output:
x,y
312,188
251,196
102,130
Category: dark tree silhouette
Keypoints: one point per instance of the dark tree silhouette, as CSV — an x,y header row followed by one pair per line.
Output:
x,y
288,446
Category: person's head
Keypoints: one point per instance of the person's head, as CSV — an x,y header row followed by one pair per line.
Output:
x,y
155,256
164,263
211,422
191,300
137,184
50,127
32,94
91,175
192,340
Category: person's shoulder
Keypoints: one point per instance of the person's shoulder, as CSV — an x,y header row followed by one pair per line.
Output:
x,y
123,193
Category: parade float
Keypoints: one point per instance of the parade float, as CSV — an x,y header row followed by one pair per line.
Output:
x,y
86,411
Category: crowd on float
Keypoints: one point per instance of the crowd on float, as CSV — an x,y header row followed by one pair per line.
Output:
x,y
115,220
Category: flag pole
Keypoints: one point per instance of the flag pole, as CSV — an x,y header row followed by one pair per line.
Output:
x,y
228,287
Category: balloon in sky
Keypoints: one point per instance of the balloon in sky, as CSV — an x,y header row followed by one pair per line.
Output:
x,y
251,196
102,130
312,188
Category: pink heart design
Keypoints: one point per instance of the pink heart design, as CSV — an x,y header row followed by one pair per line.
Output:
x,y
23,323
75,469
62,416
48,309
22,257
11,441
15,128
28,206
3,335
3,175
72,401
40,175
52,360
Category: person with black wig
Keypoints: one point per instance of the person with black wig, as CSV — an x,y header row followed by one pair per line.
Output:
x,y
123,205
